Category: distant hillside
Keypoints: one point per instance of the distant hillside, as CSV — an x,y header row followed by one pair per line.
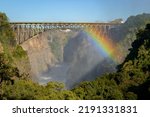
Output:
x,y
125,34
128,30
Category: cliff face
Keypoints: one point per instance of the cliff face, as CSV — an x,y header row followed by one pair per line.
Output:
x,y
45,51
40,56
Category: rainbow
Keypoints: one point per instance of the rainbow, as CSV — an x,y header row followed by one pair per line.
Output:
x,y
104,44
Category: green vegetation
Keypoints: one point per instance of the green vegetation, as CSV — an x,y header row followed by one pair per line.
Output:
x,y
13,52
10,54
128,30
27,90
6,34
131,81
19,52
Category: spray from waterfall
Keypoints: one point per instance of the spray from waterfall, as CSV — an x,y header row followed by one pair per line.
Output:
x,y
84,55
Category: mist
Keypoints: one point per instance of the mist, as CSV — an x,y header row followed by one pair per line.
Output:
x,y
66,56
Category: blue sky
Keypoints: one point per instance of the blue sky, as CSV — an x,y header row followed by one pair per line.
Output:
x,y
72,10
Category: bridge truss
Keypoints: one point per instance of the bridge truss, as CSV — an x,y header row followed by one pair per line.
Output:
x,y
26,30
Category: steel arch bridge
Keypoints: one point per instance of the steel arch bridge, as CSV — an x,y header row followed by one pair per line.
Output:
x,y
26,30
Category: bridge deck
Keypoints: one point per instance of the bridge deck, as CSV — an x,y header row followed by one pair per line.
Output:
x,y
92,23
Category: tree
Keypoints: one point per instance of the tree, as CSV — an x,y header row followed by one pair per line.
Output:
x,y
136,67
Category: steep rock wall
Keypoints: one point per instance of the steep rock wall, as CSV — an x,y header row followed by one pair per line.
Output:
x,y
40,55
